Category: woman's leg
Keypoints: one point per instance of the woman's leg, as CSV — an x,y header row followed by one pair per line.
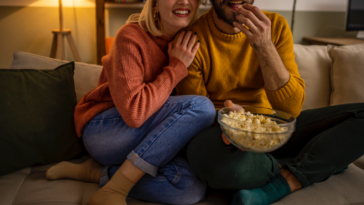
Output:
x,y
175,183
110,141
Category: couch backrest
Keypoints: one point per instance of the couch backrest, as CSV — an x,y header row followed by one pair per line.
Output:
x,y
313,63
314,66
86,75
332,74
317,65
347,71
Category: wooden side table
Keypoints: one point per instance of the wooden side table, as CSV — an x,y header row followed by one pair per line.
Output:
x,y
58,46
333,41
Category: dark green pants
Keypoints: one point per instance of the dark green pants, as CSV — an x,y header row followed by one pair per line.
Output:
x,y
326,140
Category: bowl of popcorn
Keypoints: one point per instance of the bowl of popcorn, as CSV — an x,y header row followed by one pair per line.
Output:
x,y
256,129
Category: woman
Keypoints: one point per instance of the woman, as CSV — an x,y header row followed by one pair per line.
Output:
x,y
131,120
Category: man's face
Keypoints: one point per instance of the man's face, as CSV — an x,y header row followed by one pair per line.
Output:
x,y
226,9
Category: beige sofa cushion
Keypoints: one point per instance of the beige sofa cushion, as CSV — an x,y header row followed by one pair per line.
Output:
x,y
30,187
347,74
360,162
314,67
343,188
86,75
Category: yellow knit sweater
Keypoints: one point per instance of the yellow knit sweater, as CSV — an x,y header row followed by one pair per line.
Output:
x,y
226,68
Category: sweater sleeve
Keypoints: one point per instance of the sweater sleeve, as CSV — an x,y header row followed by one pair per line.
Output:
x,y
291,96
135,99
194,83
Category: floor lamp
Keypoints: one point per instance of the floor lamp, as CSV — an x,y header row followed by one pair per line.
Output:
x,y
293,14
58,47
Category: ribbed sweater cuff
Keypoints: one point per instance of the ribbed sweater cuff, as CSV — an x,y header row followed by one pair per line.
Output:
x,y
284,93
178,68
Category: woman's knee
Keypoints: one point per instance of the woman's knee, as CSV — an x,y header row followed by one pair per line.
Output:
x,y
205,108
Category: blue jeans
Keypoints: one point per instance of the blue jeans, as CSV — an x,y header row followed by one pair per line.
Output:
x,y
153,148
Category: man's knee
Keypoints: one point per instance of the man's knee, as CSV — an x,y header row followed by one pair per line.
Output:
x,y
224,166
207,158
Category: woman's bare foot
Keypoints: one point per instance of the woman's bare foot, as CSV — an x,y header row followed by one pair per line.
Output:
x,y
88,171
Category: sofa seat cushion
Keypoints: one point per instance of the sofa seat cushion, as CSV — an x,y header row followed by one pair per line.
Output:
x,y
360,162
29,186
344,188
86,75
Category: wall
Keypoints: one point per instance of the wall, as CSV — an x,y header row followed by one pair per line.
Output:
x,y
26,25
30,29
307,23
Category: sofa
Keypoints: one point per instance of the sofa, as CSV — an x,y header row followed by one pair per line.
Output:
x,y
333,75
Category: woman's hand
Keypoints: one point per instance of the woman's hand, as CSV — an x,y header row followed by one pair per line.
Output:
x,y
185,48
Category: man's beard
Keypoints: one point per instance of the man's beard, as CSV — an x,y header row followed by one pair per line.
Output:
x,y
221,13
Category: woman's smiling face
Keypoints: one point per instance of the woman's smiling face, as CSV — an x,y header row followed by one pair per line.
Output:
x,y
176,14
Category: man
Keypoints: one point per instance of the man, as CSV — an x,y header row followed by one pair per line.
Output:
x,y
246,55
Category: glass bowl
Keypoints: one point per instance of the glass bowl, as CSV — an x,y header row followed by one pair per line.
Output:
x,y
255,137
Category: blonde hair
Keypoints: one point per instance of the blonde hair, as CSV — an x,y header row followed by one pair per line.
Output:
x,y
146,20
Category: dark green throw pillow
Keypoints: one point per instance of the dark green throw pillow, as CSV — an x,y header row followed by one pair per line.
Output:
x,y
36,117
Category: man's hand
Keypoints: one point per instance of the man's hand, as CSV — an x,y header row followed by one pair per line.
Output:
x,y
233,107
259,32
259,35
225,139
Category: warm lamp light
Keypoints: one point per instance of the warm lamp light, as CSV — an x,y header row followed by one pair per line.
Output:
x,y
58,48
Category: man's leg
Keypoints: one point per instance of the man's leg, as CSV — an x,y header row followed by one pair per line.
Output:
x,y
326,141
331,138
226,167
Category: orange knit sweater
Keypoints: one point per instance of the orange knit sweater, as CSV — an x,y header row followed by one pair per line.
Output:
x,y
137,78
